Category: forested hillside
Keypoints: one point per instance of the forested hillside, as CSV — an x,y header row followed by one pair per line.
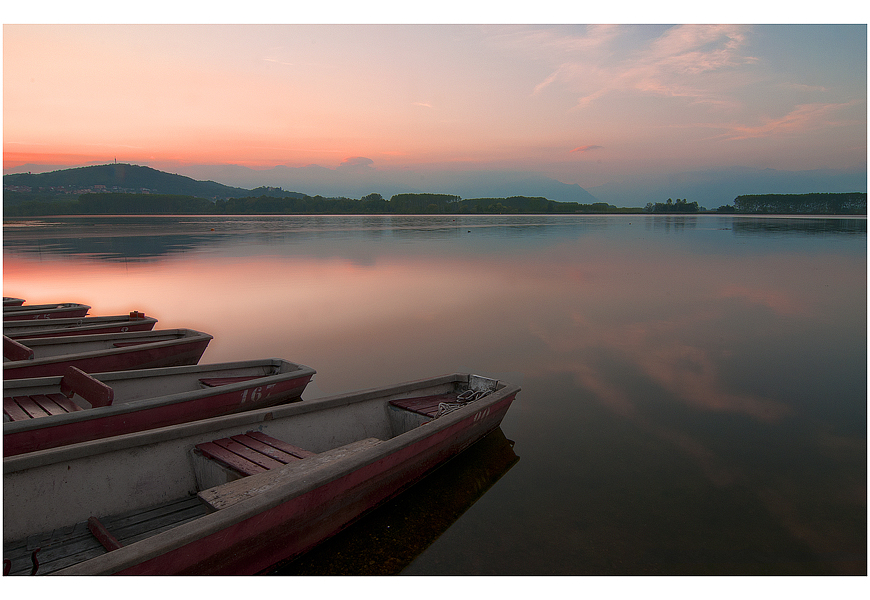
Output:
x,y
854,203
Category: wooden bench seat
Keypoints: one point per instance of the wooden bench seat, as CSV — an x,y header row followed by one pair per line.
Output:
x,y
21,408
74,381
292,474
426,406
251,453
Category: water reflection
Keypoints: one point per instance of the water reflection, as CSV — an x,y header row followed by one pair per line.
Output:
x,y
694,397
799,226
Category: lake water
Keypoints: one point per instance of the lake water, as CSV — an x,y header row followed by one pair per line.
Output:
x,y
694,388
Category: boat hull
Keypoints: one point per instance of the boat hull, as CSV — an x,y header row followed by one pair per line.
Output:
x,y
77,326
297,525
169,348
44,311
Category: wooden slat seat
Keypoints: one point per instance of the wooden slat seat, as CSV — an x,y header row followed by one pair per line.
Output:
x,y
218,381
252,452
21,408
426,406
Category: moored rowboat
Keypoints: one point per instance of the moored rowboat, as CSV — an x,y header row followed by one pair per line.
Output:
x,y
44,311
135,321
49,412
89,507
98,353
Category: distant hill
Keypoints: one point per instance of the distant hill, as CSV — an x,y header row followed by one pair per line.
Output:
x,y
117,177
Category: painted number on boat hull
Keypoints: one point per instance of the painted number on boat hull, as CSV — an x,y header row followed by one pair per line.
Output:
x,y
256,393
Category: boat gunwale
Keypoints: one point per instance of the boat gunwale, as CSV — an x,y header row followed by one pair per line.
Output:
x,y
11,427
43,307
209,524
70,324
182,333
38,309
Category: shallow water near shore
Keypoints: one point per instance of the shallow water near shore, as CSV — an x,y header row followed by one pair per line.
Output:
x,y
694,387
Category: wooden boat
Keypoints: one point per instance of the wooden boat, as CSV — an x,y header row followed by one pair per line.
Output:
x,y
230,495
44,311
98,353
135,321
49,412
7,301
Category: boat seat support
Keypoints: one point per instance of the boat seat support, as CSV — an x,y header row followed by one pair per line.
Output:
x,y
13,350
76,381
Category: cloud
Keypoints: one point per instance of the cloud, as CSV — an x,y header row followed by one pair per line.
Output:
x,y
356,162
677,63
802,118
588,148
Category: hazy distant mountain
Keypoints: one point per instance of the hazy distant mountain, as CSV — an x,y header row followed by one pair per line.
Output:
x,y
715,188
350,180
121,177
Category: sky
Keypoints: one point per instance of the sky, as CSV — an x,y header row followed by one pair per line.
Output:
x,y
590,105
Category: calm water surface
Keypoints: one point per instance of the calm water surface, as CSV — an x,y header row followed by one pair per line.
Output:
x,y
694,388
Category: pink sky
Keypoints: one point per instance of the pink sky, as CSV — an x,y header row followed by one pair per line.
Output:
x,y
583,104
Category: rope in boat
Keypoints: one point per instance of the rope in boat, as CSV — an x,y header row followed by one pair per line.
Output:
x,y
464,399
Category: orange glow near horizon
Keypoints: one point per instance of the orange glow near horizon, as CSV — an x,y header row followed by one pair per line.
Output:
x,y
644,98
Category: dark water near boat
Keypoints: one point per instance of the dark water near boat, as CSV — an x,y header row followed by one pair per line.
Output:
x,y
694,388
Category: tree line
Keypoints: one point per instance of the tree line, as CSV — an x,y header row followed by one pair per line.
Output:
x,y
124,204
278,202
680,206
852,203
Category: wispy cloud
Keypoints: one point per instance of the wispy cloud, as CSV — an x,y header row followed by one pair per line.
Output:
x,y
280,62
804,117
588,148
357,162
678,63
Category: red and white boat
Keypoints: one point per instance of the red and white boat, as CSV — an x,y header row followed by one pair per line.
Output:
x,y
98,353
231,495
135,321
49,412
62,310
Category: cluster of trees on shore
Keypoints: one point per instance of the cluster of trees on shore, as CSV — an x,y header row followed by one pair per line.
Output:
x,y
122,203
278,202
854,203
680,206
